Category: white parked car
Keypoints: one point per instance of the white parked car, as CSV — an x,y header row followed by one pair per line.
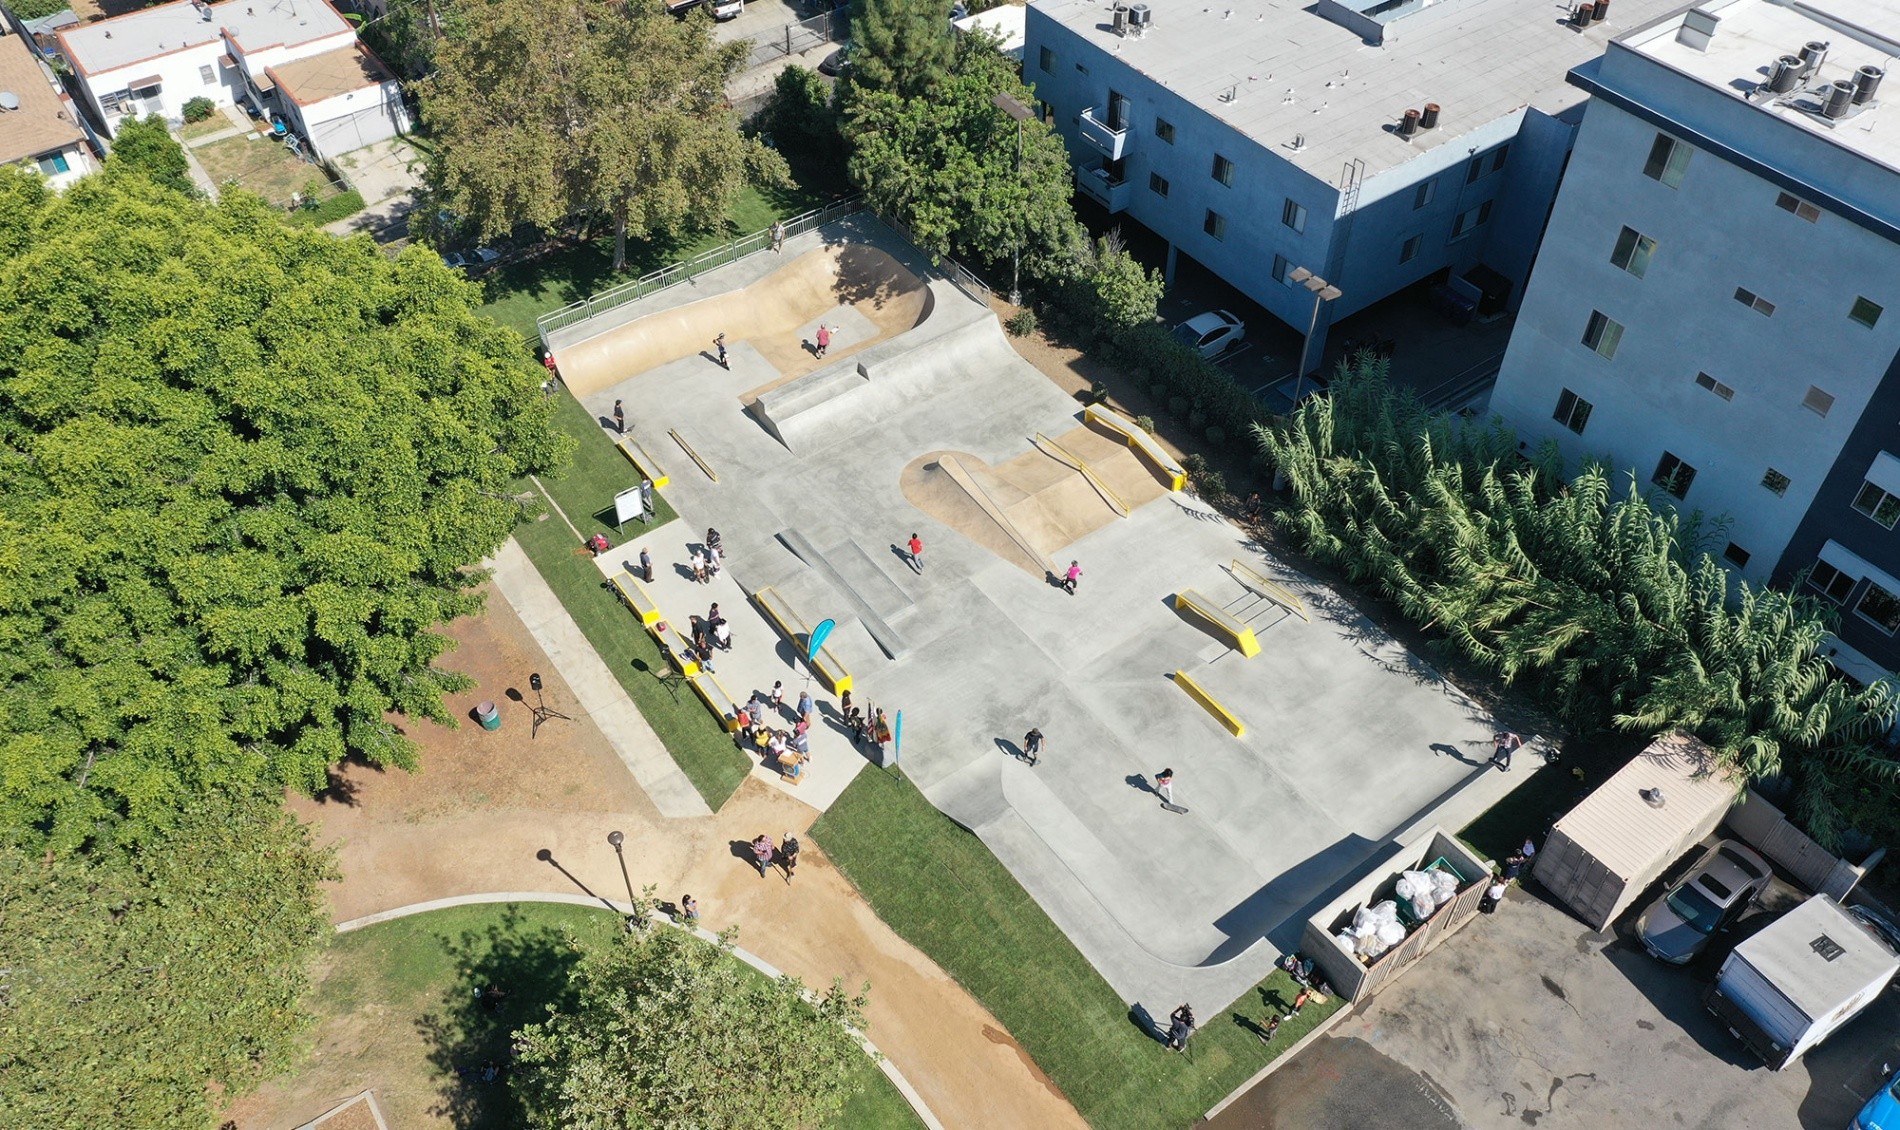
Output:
x,y
1212,333
727,9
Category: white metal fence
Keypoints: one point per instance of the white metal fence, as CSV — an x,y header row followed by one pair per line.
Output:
x,y
797,38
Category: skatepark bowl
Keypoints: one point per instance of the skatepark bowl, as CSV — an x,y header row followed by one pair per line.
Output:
x,y
924,419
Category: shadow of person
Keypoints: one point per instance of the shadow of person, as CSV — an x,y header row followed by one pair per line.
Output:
x,y
900,553
1251,1026
1144,1021
683,570
742,850
1011,749
810,347
1273,1001
1139,781
1455,753
605,422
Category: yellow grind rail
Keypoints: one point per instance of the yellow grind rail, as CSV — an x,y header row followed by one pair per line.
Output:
x,y
1211,704
688,449
1271,589
1141,441
797,633
1107,492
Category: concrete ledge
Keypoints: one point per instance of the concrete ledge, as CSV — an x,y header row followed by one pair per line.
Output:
x,y
779,408
796,632
717,699
1239,633
643,461
637,598
1209,703
1141,441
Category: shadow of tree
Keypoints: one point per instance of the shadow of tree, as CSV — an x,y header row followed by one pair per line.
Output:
x,y
510,975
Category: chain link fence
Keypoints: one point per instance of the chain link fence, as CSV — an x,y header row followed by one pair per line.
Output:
x,y
797,38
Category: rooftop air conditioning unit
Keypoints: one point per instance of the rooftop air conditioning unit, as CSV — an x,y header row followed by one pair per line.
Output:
x,y
1140,16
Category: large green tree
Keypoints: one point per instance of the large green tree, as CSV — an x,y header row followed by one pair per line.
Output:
x,y
245,470
131,981
670,1031
959,172
146,147
901,47
544,110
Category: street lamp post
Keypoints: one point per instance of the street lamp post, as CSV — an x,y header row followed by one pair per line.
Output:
x,y
617,839
1323,291
1015,109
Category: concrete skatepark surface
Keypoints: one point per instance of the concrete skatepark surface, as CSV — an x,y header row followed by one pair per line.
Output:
x,y
1344,727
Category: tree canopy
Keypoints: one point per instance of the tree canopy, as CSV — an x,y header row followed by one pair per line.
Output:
x,y
130,981
670,1031
146,147
901,47
244,470
542,111
1605,604
945,164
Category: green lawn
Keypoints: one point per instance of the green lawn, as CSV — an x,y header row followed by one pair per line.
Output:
x,y
939,887
585,493
426,970
520,292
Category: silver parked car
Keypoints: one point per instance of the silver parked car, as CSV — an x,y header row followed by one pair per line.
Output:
x,y
1711,897
1212,333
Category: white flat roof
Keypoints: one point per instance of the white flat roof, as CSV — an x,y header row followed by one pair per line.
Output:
x,y
1623,831
1273,69
137,37
1752,33
1817,978
1004,21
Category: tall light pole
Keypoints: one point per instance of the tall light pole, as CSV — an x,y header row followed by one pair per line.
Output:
x,y
1014,108
1323,291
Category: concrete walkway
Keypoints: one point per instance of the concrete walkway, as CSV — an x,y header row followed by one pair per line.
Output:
x,y
601,696
884,1062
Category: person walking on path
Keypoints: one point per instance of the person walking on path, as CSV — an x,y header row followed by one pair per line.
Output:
x,y
1180,1027
620,418
778,235
1073,575
698,561
722,635
916,547
689,909
646,566
1164,786
804,707
714,561
1503,744
788,855
719,343
762,853
713,541
824,340
1032,745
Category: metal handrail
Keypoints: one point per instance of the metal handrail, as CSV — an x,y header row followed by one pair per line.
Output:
x,y
665,277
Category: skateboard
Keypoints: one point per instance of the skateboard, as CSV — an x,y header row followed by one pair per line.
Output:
x,y
1173,807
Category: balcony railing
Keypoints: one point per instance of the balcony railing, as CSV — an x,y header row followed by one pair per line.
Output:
x,y
1110,191
1110,140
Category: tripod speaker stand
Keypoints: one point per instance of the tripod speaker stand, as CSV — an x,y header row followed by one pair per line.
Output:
x,y
542,711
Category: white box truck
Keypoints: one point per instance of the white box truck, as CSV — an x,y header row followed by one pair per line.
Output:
x,y
1791,985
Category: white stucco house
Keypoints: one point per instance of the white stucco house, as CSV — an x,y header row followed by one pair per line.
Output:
x,y
298,60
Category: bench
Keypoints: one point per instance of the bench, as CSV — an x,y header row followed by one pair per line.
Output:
x,y
637,597
1211,704
1141,441
797,633
1242,635
714,694
643,461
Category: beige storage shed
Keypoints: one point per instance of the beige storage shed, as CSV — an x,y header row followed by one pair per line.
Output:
x,y
1605,851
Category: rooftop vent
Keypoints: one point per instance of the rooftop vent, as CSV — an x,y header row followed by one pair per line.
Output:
x,y
1140,16
9,100
1119,20
1811,56
1867,84
1785,74
1840,95
1408,125
1698,28
1429,119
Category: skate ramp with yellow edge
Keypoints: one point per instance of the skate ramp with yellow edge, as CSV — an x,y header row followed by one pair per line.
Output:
x,y
772,315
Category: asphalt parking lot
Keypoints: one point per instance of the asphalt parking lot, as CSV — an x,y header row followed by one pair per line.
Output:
x,y
1527,1018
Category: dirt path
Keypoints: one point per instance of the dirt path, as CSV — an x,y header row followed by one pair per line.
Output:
x,y
486,804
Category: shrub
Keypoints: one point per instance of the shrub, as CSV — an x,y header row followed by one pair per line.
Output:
x,y
1195,464
1216,436
1178,406
1197,419
1145,423
329,211
199,108
1213,486
1022,323
1158,391
1098,393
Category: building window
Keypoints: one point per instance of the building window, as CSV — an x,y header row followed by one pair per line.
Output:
x,y
1633,252
1668,160
54,165
1736,556
1704,380
1223,170
1423,194
207,75
1865,312
1817,401
151,91
1280,268
1880,607
1775,481
1046,59
1044,111
1801,208
111,101
1833,583
1754,302
1408,250
1673,475
1602,334
1215,224
1164,130
1573,411
1498,157
1293,216
1470,220
1158,184
1878,505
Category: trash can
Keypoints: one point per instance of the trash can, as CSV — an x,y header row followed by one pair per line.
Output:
x,y
489,716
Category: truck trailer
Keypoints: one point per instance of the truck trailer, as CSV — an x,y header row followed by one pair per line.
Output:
x,y
1787,988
